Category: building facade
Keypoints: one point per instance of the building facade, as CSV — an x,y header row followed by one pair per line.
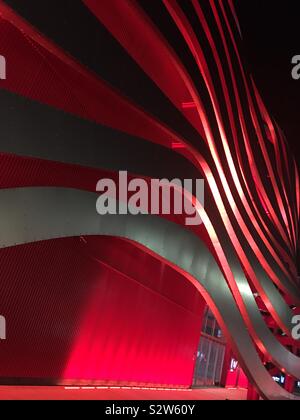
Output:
x,y
161,90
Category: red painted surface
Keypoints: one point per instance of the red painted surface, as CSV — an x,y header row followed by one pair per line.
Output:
x,y
93,330
72,316
52,77
19,171
236,378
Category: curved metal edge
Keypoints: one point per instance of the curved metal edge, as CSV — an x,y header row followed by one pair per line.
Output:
x,y
36,214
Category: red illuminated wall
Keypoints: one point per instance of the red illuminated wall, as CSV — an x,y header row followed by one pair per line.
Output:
x,y
99,309
72,316
236,378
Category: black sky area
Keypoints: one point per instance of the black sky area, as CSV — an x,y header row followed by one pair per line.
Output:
x,y
271,38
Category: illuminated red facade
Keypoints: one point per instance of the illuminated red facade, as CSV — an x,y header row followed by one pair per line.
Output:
x,y
162,90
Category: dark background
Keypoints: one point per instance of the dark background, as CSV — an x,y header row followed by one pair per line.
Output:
x,y
272,37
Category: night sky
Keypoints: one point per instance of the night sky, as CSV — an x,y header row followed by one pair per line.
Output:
x,y
271,36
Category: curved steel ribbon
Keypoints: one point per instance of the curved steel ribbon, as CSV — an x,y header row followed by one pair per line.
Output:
x,y
225,135
37,214
65,148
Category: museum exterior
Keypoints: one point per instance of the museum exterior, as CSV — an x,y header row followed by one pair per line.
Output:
x,y
160,90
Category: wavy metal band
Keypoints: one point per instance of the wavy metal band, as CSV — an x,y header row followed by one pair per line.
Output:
x,y
36,214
